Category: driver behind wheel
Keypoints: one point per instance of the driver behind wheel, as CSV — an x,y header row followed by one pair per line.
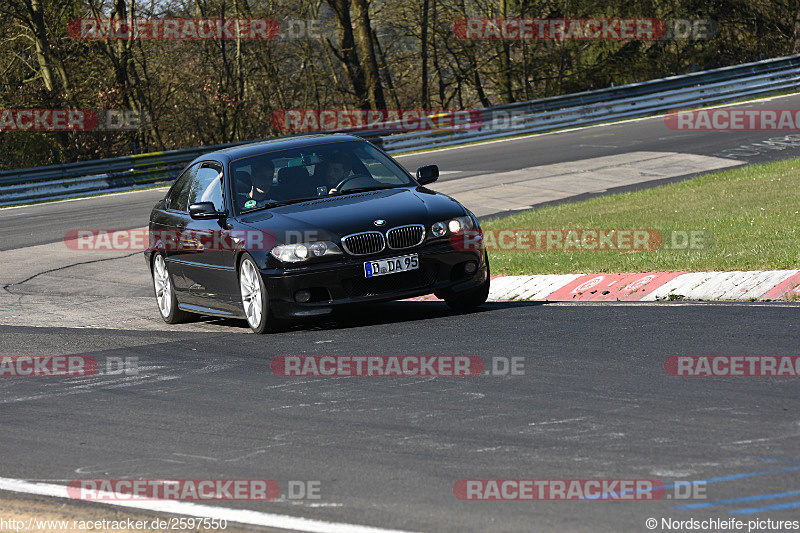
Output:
x,y
339,167
263,174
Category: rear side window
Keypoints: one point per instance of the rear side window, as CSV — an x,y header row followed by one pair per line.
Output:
x,y
207,186
177,199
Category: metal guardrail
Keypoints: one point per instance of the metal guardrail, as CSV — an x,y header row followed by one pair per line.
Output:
x,y
92,177
700,89
635,100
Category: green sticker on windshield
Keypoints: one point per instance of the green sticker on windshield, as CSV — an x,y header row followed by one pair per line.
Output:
x,y
249,203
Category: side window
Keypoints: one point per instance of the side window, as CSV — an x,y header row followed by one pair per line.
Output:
x,y
207,186
377,169
179,194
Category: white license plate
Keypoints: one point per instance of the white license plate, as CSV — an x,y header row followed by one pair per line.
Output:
x,y
391,266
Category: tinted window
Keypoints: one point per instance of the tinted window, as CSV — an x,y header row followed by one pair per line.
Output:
x,y
179,194
207,186
379,166
310,172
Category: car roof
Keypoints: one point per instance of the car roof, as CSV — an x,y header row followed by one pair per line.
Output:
x,y
226,155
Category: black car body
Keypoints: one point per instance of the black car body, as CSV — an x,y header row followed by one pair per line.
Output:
x,y
314,246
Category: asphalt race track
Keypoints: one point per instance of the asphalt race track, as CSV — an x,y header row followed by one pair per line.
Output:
x,y
593,402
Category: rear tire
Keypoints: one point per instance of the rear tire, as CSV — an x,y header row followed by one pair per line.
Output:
x,y
165,293
467,300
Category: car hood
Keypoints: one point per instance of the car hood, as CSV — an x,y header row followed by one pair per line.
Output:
x,y
337,216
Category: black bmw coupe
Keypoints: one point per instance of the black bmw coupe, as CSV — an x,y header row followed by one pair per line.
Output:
x,y
293,227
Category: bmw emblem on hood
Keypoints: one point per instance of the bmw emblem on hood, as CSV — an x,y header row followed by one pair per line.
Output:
x,y
379,222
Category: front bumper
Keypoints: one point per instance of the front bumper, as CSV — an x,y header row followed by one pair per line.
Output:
x,y
343,282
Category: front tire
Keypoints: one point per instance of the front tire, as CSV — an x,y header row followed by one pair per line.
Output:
x,y
165,293
255,300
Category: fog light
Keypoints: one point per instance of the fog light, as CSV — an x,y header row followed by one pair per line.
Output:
x,y
302,296
470,267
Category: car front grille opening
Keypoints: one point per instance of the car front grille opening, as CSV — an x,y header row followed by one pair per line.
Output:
x,y
364,243
405,236
319,294
405,281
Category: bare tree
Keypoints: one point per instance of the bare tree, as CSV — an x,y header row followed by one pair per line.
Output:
x,y
423,55
366,51
796,48
346,51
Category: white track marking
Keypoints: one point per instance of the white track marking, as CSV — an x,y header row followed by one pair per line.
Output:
x,y
240,516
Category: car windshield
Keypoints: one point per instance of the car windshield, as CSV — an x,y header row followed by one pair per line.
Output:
x,y
286,176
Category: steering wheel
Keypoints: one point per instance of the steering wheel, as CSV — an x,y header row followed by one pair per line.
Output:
x,y
348,179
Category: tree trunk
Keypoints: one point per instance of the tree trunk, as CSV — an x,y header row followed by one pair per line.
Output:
x,y
123,56
443,101
119,52
423,82
479,88
347,50
387,74
472,70
506,91
796,49
366,50
41,43
239,79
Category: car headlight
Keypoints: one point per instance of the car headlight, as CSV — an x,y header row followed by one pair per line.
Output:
x,y
319,248
439,229
295,253
454,225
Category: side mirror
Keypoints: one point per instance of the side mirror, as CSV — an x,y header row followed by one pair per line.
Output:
x,y
204,211
427,174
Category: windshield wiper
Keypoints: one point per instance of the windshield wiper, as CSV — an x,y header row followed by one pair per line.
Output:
x,y
293,201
